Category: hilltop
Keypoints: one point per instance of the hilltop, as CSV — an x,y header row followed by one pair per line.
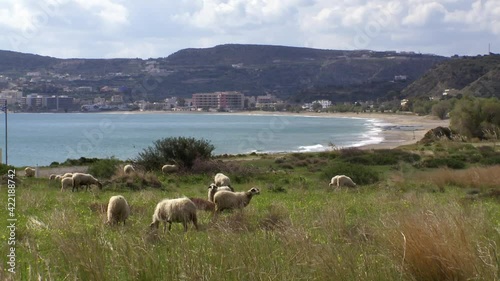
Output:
x,y
251,69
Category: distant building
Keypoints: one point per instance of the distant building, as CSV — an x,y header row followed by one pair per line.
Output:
x,y
219,100
400,77
266,101
84,89
56,103
117,98
34,100
324,103
205,100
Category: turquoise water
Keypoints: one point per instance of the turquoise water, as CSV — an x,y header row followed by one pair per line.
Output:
x,y
39,139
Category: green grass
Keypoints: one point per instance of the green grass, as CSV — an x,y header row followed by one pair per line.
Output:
x,y
409,225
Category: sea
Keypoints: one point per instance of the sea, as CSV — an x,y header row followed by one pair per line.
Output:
x,y
38,139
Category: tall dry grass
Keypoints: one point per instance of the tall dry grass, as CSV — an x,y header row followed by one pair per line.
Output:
x,y
443,243
476,177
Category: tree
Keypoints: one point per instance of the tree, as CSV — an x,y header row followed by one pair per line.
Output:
x,y
182,151
441,109
475,117
316,106
181,102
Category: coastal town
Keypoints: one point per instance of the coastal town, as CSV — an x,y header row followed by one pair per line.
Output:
x,y
52,94
107,98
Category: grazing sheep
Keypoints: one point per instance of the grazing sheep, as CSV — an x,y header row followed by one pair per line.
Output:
x,y
29,172
127,169
181,210
341,180
52,177
67,175
203,205
58,178
233,200
212,189
222,180
118,210
166,169
80,179
66,183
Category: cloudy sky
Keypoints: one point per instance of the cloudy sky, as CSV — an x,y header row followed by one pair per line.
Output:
x,y
155,28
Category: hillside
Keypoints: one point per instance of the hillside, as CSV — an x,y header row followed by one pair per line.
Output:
x,y
478,76
251,69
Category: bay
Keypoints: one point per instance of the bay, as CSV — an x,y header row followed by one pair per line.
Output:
x,y
41,138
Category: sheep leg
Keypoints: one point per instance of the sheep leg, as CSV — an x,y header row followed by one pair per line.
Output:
x,y
195,222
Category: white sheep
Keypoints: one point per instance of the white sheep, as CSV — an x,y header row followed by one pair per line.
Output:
x,y
29,172
118,210
166,169
58,178
233,200
181,210
80,179
52,177
127,169
67,175
203,204
222,180
66,183
212,189
341,180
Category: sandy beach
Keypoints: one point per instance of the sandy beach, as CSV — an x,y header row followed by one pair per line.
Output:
x,y
399,129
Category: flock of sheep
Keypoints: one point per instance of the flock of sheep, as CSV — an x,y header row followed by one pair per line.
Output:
x,y
221,196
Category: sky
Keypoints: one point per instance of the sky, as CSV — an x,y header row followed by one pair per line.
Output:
x,y
155,28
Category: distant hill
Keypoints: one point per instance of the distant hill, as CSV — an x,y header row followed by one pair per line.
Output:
x,y
251,69
478,76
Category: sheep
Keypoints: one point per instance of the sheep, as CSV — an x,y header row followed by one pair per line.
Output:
x,y
29,172
67,175
222,180
212,189
84,179
118,210
341,180
181,210
166,169
66,183
203,205
52,177
127,169
58,177
233,200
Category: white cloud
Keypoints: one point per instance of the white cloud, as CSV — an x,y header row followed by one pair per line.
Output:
x,y
107,10
421,14
129,28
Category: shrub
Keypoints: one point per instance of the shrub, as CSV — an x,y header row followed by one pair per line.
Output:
x,y
492,160
180,150
5,168
444,162
360,174
104,168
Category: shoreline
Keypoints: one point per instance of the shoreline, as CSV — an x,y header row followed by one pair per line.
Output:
x,y
397,128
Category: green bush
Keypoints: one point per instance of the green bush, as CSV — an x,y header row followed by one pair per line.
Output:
x,y
4,169
360,174
443,162
490,161
104,168
182,151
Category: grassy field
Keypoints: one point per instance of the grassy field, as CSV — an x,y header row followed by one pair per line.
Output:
x,y
406,220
